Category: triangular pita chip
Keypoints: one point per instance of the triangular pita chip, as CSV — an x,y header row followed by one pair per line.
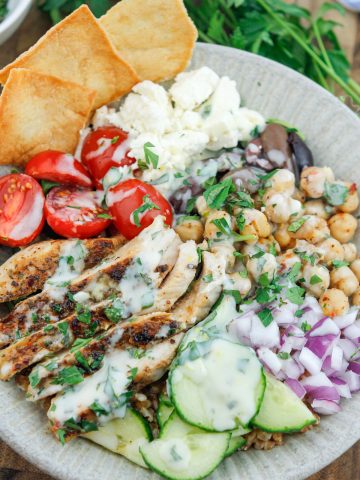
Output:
x,y
156,37
39,112
78,49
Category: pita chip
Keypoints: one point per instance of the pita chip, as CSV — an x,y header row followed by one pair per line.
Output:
x,y
156,37
39,112
78,50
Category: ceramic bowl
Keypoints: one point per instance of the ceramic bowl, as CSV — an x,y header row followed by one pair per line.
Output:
x,y
18,9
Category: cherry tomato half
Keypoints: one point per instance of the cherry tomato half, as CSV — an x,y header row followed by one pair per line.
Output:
x,y
21,209
135,204
75,212
58,167
104,148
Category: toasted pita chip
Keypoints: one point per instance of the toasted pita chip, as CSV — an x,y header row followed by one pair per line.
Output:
x,y
78,50
156,37
39,112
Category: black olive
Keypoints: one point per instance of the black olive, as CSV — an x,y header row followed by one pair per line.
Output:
x,y
247,178
182,195
301,151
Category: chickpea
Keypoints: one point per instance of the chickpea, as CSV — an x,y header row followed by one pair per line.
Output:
x,y
316,207
190,229
201,206
342,227
265,264
282,235
211,230
334,302
352,200
282,181
258,221
287,260
269,243
299,195
279,207
350,252
313,180
313,230
239,282
226,250
355,267
344,279
356,298
317,279
331,250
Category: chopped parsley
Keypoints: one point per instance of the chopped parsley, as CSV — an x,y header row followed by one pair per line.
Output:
x,y
216,195
235,294
104,215
339,263
68,376
315,279
98,409
116,312
265,316
335,194
146,205
283,355
208,278
222,225
61,435
151,158
34,378
294,272
305,327
296,295
295,226
240,222
114,139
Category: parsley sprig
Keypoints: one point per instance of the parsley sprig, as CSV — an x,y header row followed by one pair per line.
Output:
x,y
146,206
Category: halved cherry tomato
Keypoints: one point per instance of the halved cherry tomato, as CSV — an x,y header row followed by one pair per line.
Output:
x,y
58,167
75,212
104,148
21,209
134,205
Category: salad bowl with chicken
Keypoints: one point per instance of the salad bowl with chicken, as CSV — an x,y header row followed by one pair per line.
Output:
x,y
182,281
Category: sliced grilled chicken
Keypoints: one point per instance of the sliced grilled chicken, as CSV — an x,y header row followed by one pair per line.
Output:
x,y
135,334
109,386
27,271
139,266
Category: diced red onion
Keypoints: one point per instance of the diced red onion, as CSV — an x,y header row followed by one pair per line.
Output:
x,y
285,314
336,358
310,361
296,387
312,311
321,346
328,370
262,336
341,386
353,380
348,347
355,367
292,368
319,387
243,327
352,332
325,407
324,327
349,318
293,343
271,361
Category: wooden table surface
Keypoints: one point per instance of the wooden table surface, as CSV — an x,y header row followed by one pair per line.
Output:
x,y
14,467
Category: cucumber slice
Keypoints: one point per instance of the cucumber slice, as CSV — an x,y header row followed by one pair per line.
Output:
x,y
234,445
164,411
184,452
124,436
217,385
282,410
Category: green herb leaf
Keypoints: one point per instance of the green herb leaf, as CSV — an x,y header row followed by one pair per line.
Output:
x,y
68,376
235,294
216,195
315,279
339,263
146,206
283,355
335,193
305,327
296,295
222,225
294,226
47,186
265,316
34,378
151,158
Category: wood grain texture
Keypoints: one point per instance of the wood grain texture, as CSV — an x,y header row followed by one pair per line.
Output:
x,y
14,467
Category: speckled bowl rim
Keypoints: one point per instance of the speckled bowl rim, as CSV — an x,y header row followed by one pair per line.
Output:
x,y
302,455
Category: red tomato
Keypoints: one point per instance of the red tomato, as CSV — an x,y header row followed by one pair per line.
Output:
x,y
135,204
21,209
58,167
75,212
104,148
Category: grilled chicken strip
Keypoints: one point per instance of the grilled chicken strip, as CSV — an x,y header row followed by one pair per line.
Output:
x,y
142,262
109,386
27,271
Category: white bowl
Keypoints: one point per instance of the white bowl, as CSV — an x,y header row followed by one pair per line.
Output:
x,y
332,132
18,9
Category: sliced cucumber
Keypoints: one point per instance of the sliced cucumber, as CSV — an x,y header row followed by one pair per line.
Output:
x,y
184,452
282,410
217,385
234,445
164,411
124,436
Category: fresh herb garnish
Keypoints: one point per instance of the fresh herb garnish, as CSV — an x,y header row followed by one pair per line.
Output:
x,y
294,272
47,186
339,263
68,376
34,378
216,195
305,327
315,279
222,225
265,316
104,215
283,355
151,158
335,194
296,295
208,278
146,205
294,226
235,294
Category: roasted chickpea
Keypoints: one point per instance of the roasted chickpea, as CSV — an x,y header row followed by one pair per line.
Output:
x,y
299,195
331,250
334,302
316,207
352,200
344,279
313,230
265,264
226,250
238,282
317,279
268,244
287,260
355,267
211,230
313,180
258,221
282,235
282,181
350,252
342,227
190,229
279,207
355,299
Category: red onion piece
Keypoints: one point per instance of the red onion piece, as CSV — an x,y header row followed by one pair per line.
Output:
x,y
353,380
310,361
325,407
268,358
322,345
349,318
341,386
355,367
296,387
336,358
348,347
261,336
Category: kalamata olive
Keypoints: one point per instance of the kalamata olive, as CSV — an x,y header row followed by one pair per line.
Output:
x,y
182,195
247,178
275,145
301,151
